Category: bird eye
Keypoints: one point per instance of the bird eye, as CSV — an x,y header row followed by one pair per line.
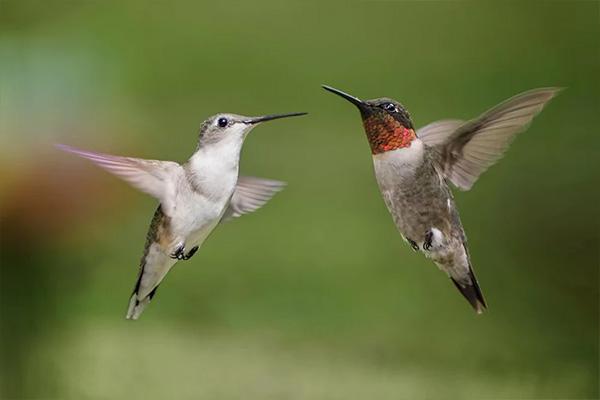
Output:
x,y
222,122
390,107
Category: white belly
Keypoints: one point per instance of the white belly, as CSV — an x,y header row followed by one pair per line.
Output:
x,y
191,223
196,216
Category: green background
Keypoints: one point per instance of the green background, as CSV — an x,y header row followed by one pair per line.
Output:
x,y
315,296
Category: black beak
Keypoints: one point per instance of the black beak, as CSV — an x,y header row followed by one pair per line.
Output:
x,y
362,106
264,118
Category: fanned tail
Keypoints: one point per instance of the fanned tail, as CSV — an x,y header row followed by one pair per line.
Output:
x,y
472,292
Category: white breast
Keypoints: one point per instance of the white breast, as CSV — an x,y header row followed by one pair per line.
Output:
x,y
399,163
210,181
214,169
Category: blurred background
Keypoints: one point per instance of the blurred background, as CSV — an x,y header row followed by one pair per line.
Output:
x,y
315,296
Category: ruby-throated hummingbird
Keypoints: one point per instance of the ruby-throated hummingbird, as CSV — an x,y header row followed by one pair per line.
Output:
x,y
413,169
194,197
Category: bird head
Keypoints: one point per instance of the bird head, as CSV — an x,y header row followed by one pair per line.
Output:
x,y
232,127
386,122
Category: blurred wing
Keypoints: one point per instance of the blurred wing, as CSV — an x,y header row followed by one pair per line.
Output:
x,y
251,194
437,133
154,177
477,144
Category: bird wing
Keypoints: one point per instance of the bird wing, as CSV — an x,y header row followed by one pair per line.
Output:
x,y
156,178
250,194
437,133
467,150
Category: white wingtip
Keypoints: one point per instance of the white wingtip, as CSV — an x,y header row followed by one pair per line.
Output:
x,y
95,157
64,147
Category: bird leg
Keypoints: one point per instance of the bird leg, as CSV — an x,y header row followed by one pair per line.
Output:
x,y
428,240
179,253
413,244
191,253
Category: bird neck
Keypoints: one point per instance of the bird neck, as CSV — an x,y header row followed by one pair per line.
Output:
x,y
385,133
213,175
216,159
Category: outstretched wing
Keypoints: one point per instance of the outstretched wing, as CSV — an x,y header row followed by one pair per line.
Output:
x,y
466,151
251,194
156,178
437,133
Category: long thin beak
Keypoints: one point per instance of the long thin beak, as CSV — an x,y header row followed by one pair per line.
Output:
x,y
354,100
264,118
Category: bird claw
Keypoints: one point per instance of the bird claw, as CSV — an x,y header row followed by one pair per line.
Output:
x,y
192,251
179,253
428,239
413,244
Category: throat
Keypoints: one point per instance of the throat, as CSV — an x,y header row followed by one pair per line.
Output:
x,y
213,172
387,135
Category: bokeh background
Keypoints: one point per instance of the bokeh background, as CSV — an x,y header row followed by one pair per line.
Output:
x,y
315,296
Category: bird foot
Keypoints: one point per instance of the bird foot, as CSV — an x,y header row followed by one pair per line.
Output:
x,y
179,253
413,244
192,251
428,241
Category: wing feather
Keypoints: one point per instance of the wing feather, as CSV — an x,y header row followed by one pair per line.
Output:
x,y
251,194
437,133
156,178
466,150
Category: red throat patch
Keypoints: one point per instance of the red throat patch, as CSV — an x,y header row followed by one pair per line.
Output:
x,y
385,133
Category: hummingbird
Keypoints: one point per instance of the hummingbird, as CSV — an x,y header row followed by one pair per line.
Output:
x,y
414,168
194,197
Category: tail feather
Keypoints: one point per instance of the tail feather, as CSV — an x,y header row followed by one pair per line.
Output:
x,y
137,306
472,292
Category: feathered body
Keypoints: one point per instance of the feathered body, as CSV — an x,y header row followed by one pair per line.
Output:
x,y
414,168
194,197
205,186
421,204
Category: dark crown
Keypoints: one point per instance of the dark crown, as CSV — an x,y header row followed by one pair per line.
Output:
x,y
393,108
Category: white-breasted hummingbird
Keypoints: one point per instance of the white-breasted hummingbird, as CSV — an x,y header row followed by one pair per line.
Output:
x,y
194,197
